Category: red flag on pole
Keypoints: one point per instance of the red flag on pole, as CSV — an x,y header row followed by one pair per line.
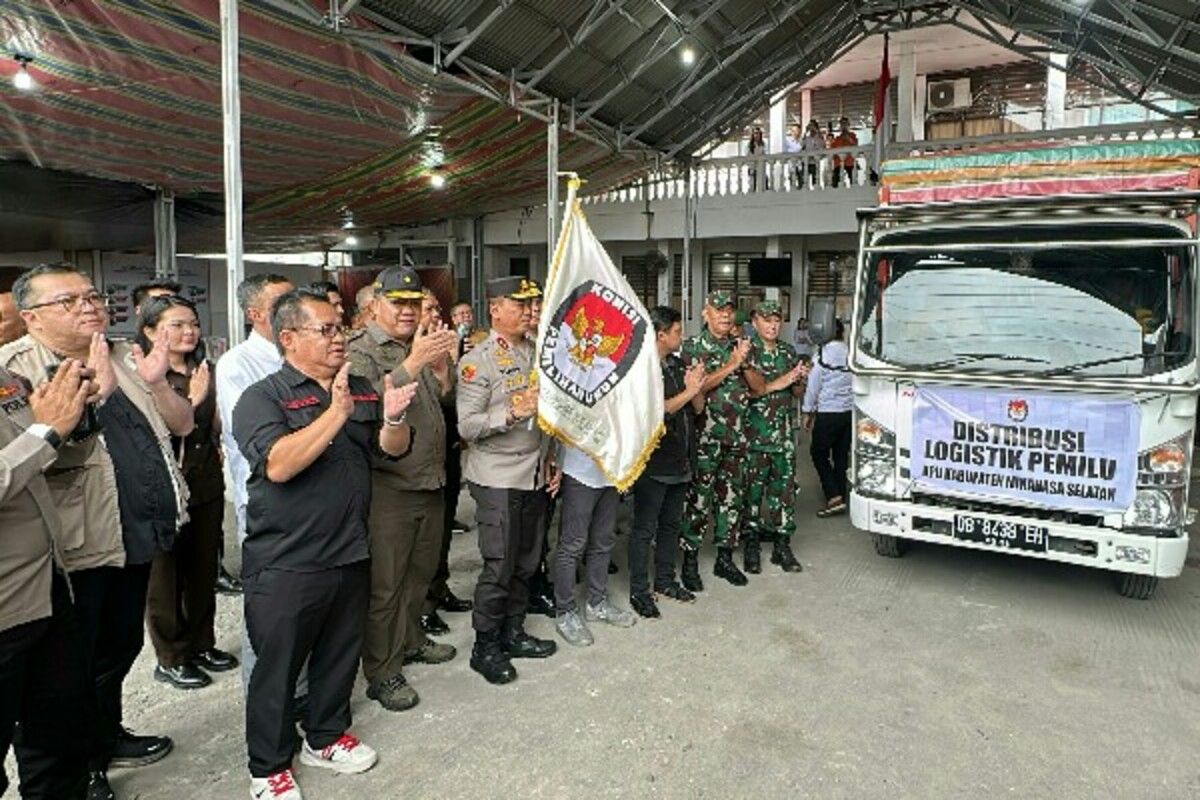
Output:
x,y
883,106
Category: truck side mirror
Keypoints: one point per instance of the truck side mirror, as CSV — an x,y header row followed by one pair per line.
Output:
x,y
822,319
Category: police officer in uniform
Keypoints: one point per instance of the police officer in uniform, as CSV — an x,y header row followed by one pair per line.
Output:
x,y
44,682
507,475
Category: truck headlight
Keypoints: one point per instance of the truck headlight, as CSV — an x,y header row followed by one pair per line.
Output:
x,y
874,458
1154,508
1166,464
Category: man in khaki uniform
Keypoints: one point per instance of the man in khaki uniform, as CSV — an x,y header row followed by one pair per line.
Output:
x,y
43,673
506,474
107,546
407,501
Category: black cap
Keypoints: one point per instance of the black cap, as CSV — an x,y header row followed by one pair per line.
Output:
x,y
399,283
514,286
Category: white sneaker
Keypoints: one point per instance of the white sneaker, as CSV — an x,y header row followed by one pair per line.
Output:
x,y
276,786
347,755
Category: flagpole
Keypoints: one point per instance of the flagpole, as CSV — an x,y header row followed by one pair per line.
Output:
x,y
551,186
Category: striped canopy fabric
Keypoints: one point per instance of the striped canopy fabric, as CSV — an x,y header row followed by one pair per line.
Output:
x,y
129,90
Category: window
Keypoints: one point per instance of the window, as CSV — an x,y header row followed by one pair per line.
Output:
x,y
730,272
643,277
826,281
519,266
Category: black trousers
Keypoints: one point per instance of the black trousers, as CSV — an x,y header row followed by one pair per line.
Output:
x,y
110,605
440,586
181,603
293,617
46,700
512,528
830,451
657,514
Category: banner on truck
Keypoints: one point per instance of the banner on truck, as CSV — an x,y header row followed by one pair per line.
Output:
x,y
1069,452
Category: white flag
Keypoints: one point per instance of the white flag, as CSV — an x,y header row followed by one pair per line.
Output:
x,y
600,385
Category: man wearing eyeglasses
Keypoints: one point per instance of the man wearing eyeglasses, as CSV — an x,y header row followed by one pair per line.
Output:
x,y
407,502
121,496
309,433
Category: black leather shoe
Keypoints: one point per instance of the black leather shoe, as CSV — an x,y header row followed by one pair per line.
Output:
x,y
676,592
690,573
214,660
226,583
185,676
98,788
453,604
752,555
434,625
519,644
490,661
541,598
782,555
644,605
132,750
725,568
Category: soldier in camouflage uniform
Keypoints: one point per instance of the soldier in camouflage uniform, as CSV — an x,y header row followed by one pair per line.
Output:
x,y
775,375
714,498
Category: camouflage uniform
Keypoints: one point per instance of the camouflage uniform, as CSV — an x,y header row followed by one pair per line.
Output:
x,y
713,499
771,429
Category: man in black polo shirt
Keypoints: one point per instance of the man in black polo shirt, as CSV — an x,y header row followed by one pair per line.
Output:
x,y
308,433
658,494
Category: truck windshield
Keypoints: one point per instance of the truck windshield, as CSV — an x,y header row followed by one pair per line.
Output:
x,y
1088,309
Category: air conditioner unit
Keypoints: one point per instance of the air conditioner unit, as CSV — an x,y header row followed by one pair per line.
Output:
x,y
948,95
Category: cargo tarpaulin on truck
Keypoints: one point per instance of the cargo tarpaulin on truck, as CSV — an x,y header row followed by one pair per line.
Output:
x,y
1041,171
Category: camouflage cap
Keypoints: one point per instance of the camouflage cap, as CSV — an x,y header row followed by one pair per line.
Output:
x,y
399,283
768,308
514,286
720,299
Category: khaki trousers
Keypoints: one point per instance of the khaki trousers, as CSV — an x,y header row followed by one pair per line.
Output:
x,y
406,540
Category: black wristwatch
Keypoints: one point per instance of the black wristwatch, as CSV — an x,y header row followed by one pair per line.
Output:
x,y
44,431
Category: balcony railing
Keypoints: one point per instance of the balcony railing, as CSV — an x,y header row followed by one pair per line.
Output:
x,y
825,170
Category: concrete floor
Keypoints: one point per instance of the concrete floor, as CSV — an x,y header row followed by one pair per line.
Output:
x,y
947,674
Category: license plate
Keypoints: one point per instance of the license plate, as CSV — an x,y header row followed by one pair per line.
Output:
x,y
1001,533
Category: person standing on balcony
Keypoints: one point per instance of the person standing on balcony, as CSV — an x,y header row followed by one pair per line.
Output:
x,y
757,147
812,144
844,161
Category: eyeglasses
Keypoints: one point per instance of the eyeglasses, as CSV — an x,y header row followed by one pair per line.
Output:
x,y
400,303
74,303
328,330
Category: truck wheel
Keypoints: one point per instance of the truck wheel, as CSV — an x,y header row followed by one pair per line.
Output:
x,y
889,546
1137,587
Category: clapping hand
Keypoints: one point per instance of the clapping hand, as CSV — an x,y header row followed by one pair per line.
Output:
x,y
198,384
59,402
340,400
693,379
100,363
523,404
396,399
152,367
740,351
434,344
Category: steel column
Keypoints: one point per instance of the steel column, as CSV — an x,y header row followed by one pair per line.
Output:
x,y
164,234
231,113
551,186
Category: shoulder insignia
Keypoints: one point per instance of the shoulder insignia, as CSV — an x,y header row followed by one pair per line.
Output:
x,y
467,372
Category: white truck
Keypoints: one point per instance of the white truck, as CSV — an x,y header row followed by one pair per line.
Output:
x,y
1025,378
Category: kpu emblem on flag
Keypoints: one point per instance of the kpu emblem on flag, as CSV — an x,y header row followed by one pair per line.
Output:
x,y
599,379
593,339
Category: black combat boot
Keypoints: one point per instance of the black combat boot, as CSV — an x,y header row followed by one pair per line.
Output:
x,y
725,568
752,554
519,644
782,555
489,660
689,574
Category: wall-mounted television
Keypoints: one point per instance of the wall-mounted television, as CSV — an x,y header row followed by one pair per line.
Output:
x,y
770,271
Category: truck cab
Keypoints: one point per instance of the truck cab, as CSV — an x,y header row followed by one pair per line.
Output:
x,y
1025,378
